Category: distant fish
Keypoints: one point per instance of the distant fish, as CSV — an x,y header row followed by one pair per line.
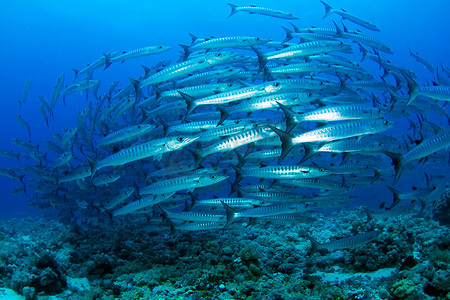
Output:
x,y
425,148
422,60
25,93
56,91
261,11
126,55
345,15
352,242
25,124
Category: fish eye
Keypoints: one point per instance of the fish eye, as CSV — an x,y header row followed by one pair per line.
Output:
x,y
219,54
230,85
386,122
257,38
277,84
237,122
160,47
322,170
213,176
180,139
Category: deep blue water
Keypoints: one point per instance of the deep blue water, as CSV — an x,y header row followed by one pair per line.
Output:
x,y
43,39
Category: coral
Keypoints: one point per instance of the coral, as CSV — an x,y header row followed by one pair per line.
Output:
x,y
404,289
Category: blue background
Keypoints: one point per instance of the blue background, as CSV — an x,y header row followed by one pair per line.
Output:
x,y
43,39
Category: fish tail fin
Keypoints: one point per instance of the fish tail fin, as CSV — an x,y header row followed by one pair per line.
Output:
x,y
338,30
310,150
286,142
412,86
165,127
194,199
328,9
75,71
186,51
397,196
397,161
315,245
91,162
158,92
342,80
164,215
224,114
231,214
190,103
267,74
296,28
262,60
194,38
233,9
363,50
198,156
107,60
290,116
136,84
238,171
289,34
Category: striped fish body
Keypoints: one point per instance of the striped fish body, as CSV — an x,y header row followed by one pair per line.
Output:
x,y
225,42
189,182
186,67
262,11
145,150
341,112
343,130
139,52
285,172
125,134
308,48
427,147
123,195
141,203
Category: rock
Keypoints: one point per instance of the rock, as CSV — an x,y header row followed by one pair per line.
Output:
x,y
78,284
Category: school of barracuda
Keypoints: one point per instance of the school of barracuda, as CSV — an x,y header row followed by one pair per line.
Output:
x,y
242,127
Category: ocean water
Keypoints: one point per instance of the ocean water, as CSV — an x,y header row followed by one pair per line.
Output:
x,y
43,39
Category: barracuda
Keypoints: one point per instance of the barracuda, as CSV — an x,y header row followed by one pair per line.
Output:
x,y
126,133
303,49
141,203
191,216
123,195
141,151
331,133
126,55
234,95
427,147
183,68
355,241
57,91
189,182
79,87
225,42
363,39
282,172
262,103
345,15
331,113
262,211
196,91
261,11
207,76
233,142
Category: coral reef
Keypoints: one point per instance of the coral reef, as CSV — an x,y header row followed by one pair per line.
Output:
x,y
409,259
